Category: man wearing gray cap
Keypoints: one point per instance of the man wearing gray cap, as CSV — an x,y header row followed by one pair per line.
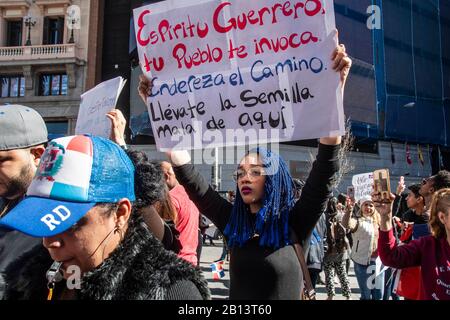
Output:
x,y
23,136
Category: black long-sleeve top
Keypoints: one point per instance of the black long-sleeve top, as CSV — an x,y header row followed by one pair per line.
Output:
x,y
259,272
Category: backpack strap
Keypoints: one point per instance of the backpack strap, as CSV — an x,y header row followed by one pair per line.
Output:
x,y
309,289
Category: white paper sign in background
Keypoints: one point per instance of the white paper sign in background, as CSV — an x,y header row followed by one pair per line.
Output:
x,y
363,184
95,104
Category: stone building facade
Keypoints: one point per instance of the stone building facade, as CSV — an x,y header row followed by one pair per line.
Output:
x,y
49,56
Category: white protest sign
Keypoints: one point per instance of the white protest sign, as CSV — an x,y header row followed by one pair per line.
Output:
x,y
95,104
363,185
230,73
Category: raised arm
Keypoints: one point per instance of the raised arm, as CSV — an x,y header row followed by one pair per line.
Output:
x,y
347,221
151,217
118,124
208,201
317,189
404,256
315,192
391,254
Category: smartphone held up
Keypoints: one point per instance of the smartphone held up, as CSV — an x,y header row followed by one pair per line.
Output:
x,y
351,193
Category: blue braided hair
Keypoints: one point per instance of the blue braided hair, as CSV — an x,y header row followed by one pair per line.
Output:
x,y
272,220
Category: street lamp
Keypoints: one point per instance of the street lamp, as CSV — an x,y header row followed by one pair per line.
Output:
x,y
29,22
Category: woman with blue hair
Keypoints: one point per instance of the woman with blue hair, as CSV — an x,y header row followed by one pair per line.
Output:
x,y
259,226
262,223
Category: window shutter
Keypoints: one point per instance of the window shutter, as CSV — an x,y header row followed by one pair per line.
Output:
x,y
45,38
20,30
60,30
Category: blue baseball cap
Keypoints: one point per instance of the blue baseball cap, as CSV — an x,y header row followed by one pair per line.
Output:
x,y
74,174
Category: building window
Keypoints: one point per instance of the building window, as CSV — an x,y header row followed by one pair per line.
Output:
x,y
14,33
53,30
12,86
57,129
53,85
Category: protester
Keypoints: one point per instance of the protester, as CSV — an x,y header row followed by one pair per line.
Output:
x,y
23,135
153,200
431,253
81,203
337,250
416,214
364,251
249,245
430,185
164,206
204,225
208,235
316,252
225,255
264,265
414,224
152,194
342,202
251,266
187,215
400,205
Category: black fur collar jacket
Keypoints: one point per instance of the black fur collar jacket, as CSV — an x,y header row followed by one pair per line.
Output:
x,y
139,269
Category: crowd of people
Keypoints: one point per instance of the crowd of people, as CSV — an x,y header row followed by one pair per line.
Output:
x,y
83,217
392,243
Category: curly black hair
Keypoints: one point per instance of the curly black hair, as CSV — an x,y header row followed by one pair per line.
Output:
x,y
332,206
148,179
441,180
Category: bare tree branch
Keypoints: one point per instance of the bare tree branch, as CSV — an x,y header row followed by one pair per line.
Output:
x,y
346,164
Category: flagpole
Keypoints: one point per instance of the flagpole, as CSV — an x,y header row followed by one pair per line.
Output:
x,y
392,158
406,155
217,181
418,155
